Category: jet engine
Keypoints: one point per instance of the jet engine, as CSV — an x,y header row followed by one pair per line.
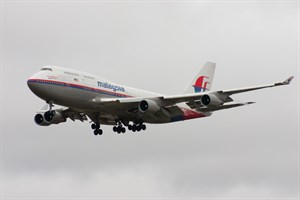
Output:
x,y
149,106
211,100
39,120
48,118
54,117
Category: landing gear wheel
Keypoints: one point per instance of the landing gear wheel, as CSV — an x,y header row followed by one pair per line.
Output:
x,y
119,130
93,126
143,127
130,127
123,130
133,128
96,132
138,128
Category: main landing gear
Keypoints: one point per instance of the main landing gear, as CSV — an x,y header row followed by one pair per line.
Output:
x,y
135,127
96,128
138,125
119,128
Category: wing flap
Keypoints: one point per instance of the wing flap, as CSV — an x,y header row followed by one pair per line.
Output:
x,y
222,107
74,115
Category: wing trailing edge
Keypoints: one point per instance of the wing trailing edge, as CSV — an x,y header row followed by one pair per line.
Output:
x,y
225,106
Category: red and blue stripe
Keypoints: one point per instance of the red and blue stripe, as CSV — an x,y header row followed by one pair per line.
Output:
x,y
77,86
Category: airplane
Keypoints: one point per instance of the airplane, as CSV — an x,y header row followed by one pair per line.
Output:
x,y
82,95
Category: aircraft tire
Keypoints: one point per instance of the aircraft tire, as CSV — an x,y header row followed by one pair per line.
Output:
x,y
95,132
143,127
119,129
123,130
98,132
133,128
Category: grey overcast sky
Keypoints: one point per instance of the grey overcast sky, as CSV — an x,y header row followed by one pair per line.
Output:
x,y
247,152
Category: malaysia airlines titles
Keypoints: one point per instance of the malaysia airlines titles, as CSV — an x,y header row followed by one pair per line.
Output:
x,y
110,86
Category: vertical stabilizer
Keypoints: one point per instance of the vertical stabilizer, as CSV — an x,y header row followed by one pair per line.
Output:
x,y
203,80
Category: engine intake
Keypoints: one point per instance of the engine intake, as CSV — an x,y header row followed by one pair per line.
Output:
x,y
211,100
39,120
149,106
54,117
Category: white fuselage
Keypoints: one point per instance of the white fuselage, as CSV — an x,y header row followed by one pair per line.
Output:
x,y
72,88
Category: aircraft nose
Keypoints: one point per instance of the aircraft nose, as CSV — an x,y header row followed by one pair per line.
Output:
x,y
29,83
35,86
32,82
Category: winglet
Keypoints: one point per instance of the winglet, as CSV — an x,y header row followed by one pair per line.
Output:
x,y
288,81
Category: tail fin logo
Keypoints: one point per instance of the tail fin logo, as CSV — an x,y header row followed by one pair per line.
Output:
x,y
201,84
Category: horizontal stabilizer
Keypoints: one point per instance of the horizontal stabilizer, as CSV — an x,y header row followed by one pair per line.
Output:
x,y
232,105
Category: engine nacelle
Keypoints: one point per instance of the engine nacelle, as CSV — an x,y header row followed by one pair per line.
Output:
x,y
211,100
54,117
39,120
149,106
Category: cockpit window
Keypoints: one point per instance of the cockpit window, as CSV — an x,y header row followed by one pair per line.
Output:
x,y
46,69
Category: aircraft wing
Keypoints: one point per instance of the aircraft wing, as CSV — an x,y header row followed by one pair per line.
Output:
x,y
193,100
224,95
74,114
119,103
222,107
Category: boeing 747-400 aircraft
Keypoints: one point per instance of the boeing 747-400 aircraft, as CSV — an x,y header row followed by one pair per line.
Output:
x,y
84,96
